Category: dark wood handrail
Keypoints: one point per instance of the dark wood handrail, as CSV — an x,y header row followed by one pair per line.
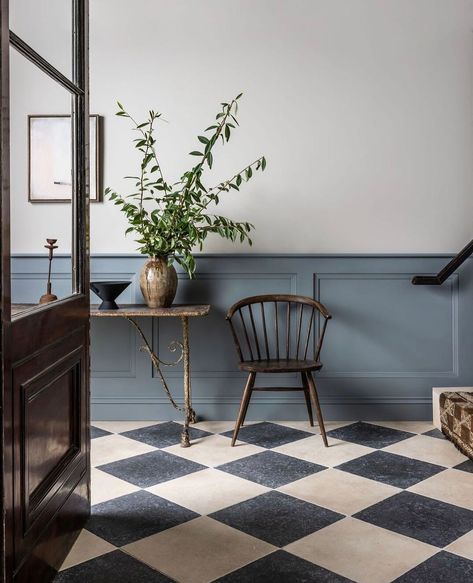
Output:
x,y
447,271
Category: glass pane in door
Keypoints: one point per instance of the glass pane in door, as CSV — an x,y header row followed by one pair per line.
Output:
x,y
46,26
41,186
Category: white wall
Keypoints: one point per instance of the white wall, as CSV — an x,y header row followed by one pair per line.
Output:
x,y
362,107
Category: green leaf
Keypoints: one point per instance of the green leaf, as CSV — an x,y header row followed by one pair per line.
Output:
x,y
263,163
195,153
203,139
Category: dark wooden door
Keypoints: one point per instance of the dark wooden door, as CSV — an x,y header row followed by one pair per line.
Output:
x,y
45,358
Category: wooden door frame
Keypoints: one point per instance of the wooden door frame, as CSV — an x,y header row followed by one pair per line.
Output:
x,y
5,291
78,87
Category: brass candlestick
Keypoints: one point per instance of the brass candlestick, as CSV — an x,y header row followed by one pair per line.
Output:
x,y
48,296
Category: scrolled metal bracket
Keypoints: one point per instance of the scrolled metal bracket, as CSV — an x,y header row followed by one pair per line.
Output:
x,y
174,346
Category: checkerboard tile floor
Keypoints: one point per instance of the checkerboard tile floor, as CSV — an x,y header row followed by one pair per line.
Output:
x,y
385,502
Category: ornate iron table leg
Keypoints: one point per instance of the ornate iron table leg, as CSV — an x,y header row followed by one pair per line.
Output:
x,y
189,411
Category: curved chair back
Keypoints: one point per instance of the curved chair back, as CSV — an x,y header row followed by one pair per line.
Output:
x,y
278,327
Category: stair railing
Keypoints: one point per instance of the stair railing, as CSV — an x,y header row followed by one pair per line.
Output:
x,y
447,271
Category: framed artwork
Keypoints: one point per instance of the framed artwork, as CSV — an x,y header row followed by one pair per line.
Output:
x,y
50,158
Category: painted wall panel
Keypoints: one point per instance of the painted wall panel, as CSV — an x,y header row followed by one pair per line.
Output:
x,y
389,342
386,326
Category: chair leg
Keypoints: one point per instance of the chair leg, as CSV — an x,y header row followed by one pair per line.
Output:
x,y
315,398
246,409
307,399
244,405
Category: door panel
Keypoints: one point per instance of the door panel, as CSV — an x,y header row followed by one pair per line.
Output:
x,y
49,436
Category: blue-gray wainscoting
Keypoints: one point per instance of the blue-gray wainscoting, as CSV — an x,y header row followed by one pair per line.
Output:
x,y
388,344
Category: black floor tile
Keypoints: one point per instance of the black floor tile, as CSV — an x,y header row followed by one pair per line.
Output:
x,y
395,470
151,468
96,432
163,434
135,516
425,519
269,435
466,466
276,518
271,469
435,433
369,434
282,567
111,568
441,568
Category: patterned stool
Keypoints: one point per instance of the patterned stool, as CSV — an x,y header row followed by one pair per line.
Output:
x,y
456,417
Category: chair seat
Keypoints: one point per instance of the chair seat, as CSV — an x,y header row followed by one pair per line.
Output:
x,y
280,365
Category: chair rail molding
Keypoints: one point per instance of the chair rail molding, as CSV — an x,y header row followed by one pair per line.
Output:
x,y
388,344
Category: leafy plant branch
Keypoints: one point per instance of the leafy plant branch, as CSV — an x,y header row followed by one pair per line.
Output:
x,y
170,220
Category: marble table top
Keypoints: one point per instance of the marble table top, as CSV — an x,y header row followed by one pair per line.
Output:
x,y
141,310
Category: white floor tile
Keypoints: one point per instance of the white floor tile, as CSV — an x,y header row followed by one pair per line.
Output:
x,y
87,546
312,449
463,546
217,426
199,551
121,426
427,449
339,491
106,487
410,426
208,491
304,425
452,486
362,552
214,450
111,448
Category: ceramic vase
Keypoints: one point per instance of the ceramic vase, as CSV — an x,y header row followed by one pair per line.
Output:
x,y
158,282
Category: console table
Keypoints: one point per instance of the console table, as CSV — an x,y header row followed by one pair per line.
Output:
x,y
130,312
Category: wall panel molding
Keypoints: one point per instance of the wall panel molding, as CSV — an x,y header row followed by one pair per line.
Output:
x,y
388,344
452,284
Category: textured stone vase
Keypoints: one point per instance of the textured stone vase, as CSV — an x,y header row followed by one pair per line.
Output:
x,y
158,282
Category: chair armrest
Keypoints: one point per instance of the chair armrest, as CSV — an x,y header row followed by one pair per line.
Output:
x,y
323,310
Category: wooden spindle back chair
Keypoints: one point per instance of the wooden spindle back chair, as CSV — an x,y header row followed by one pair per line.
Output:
x,y
276,334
